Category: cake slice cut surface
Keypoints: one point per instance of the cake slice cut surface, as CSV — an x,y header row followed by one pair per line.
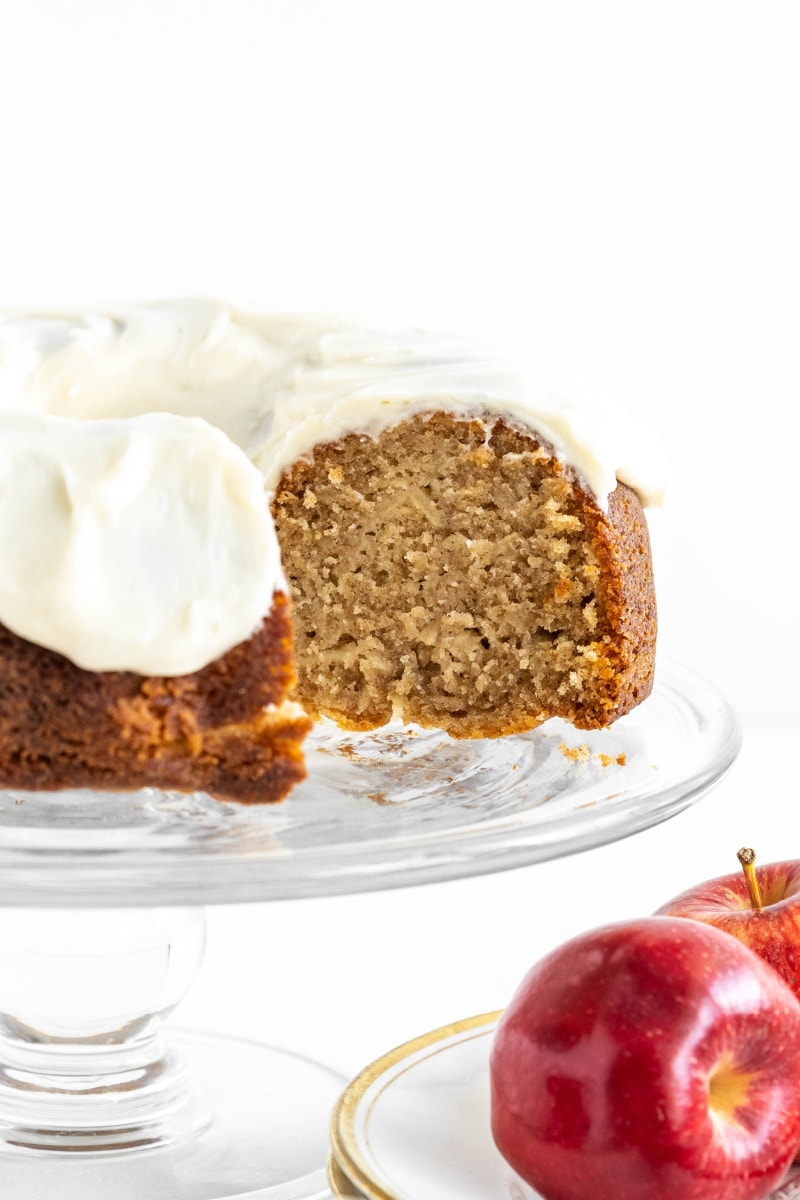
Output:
x,y
455,574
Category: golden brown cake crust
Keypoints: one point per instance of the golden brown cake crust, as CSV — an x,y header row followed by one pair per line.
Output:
x,y
627,594
454,573
220,730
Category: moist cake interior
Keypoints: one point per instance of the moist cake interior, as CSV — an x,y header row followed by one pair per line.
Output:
x,y
454,574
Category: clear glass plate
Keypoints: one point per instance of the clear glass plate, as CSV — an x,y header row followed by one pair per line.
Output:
x,y
392,808
415,1125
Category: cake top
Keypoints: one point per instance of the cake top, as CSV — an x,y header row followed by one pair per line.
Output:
x,y
142,539
279,385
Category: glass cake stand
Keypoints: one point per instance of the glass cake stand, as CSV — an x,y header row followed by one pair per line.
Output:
x,y
108,930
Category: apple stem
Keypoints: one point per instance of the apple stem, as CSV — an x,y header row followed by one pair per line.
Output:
x,y
747,858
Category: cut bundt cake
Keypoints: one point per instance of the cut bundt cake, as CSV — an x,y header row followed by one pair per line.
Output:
x,y
461,545
455,574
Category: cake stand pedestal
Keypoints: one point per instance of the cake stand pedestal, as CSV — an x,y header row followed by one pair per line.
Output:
x,y
108,933
95,1100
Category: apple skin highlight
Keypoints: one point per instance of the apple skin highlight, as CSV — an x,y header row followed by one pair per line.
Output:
x,y
655,1059
772,931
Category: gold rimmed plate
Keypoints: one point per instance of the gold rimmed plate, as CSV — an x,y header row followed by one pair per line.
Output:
x,y
415,1125
342,1187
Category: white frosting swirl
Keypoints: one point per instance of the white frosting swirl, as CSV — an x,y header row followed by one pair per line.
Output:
x,y
276,386
131,545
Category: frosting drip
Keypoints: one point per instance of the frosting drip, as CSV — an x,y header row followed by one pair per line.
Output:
x,y
274,387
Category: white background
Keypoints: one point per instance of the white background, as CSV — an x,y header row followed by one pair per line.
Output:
x,y
615,185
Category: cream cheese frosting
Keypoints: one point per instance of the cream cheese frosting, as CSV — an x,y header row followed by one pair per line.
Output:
x,y
272,386
131,545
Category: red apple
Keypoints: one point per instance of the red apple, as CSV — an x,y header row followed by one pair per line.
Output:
x,y
652,1060
731,902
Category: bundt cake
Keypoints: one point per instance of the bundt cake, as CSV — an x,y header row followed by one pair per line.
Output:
x,y
462,546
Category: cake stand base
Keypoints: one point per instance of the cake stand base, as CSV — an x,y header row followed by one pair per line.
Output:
x,y
99,1099
259,1123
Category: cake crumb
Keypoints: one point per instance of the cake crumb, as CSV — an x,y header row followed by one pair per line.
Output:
x,y
607,759
336,476
309,500
574,754
379,798
347,750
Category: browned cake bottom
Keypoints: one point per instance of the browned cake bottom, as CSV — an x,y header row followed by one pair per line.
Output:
x,y
226,729
455,574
